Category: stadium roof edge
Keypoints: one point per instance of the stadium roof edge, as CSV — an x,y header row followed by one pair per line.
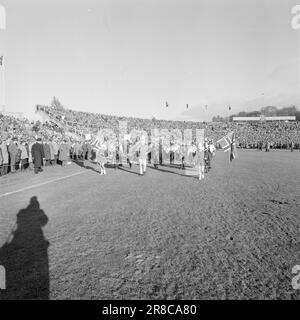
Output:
x,y
263,118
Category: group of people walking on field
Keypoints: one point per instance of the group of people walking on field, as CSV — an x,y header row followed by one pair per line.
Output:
x,y
198,155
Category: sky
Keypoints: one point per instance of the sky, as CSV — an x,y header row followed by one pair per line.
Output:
x,y
128,57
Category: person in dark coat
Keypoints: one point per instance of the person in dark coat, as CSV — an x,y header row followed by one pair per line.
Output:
x,y
89,151
13,152
47,153
5,156
1,161
37,152
64,153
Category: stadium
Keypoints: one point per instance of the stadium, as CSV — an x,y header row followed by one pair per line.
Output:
x,y
123,236
100,205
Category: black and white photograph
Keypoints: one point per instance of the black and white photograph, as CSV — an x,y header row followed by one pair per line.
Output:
x,y
149,150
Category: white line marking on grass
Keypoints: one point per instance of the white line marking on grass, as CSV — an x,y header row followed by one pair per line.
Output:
x,y
42,183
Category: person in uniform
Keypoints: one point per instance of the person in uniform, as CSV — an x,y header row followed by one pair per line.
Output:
x,y
181,156
101,158
206,155
143,152
129,155
154,149
199,160
84,150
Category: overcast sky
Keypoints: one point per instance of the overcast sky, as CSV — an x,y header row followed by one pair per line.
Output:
x,y
128,57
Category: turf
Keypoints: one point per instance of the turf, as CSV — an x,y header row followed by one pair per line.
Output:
x,y
234,235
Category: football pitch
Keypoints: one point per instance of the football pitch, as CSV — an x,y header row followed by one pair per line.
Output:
x,y
71,233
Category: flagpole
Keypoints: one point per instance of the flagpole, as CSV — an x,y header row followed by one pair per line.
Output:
x,y
3,84
3,27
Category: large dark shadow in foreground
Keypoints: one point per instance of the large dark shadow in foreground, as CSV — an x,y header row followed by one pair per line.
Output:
x,y
25,256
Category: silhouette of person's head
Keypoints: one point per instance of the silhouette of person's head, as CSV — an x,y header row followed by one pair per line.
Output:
x,y
32,215
34,202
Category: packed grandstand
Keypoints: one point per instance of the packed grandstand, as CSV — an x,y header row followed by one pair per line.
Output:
x,y
65,125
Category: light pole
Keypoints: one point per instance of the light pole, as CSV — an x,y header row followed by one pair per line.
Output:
x,y
2,57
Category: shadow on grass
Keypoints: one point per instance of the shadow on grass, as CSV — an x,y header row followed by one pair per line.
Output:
x,y
173,172
128,170
25,256
81,164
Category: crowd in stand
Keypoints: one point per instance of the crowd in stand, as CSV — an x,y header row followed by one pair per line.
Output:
x,y
63,136
279,134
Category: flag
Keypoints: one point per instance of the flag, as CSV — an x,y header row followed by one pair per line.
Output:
x,y
228,143
232,148
167,104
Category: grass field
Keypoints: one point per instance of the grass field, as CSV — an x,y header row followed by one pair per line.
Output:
x,y
235,235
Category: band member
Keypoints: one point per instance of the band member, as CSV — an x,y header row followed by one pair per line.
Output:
x,y
206,157
143,152
211,152
191,153
129,155
113,153
181,156
101,159
199,160
155,154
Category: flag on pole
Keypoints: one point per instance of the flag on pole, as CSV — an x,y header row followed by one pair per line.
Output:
x,y
228,143
2,18
233,152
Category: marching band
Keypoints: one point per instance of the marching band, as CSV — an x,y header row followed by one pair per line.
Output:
x,y
197,155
